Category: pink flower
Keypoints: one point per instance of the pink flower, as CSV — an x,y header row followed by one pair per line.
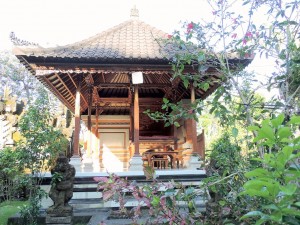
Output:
x,y
248,34
190,26
214,12
234,35
169,36
234,21
244,41
100,179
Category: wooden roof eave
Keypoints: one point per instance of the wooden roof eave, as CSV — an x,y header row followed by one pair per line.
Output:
x,y
118,63
50,86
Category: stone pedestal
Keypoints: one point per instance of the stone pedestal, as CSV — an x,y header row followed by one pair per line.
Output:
x,y
136,163
76,162
59,218
96,164
192,161
61,192
87,164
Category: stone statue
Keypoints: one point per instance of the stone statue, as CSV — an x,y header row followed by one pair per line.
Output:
x,y
61,190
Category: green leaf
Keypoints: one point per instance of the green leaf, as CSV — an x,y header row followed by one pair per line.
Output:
x,y
295,120
287,151
290,211
186,83
205,86
271,206
155,201
169,202
201,57
259,172
276,216
235,132
252,214
288,189
165,100
222,203
276,122
267,132
253,128
167,124
284,132
286,140
176,124
189,191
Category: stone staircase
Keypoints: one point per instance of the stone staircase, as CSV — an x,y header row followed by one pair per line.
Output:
x,y
86,196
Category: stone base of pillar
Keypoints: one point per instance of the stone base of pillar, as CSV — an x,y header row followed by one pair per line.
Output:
x,y
87,164
96,164
59,218
76,162
192,161
136,163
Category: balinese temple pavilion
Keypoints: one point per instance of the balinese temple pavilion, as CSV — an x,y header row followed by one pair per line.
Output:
x,y
108,81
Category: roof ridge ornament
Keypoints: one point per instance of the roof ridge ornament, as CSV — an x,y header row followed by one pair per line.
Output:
x,y
134,13
18,42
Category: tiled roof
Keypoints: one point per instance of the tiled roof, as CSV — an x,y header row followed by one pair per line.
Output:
x,y
132,39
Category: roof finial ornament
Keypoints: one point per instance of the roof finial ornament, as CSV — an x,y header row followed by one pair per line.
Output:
x,y
134,13
18,42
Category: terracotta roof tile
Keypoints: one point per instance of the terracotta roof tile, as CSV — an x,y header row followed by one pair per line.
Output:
x,y
131,39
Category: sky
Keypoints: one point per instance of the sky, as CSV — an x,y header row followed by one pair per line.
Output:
x,y
66,21
60,22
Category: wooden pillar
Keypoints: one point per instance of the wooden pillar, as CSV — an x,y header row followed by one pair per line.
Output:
x,y
97,133
193,122
131,135
90,137
175,137
136,119
77,120
97,121
131,129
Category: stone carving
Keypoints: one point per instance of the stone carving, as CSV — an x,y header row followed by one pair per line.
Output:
x,y
61,190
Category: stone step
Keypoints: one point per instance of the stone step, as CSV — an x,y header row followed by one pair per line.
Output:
x,y
93,186
85,193
96,202
177,175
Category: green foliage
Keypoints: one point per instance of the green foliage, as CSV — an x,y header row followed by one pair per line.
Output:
x,y
10,174
225,171
56,178
37,151
41,143
31,211
225,157
10,208
172,112
276,182
161,200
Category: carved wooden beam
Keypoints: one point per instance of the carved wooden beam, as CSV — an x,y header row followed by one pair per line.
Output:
x,y
89,79
58,94
128,85
66,87
96,96
85,101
